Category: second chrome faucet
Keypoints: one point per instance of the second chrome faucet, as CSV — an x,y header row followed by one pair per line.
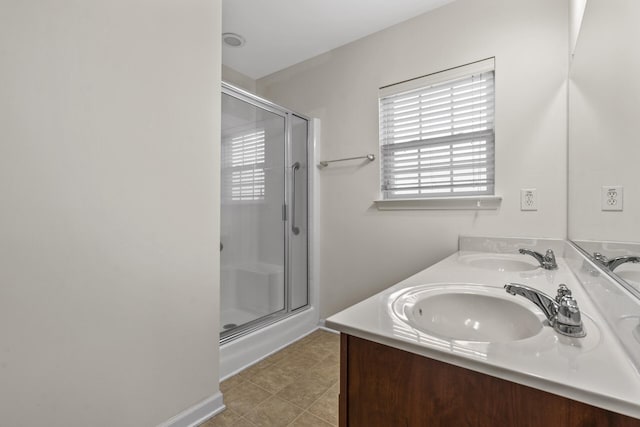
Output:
x,y
547,261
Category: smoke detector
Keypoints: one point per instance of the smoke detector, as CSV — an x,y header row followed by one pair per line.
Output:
x,y
233,40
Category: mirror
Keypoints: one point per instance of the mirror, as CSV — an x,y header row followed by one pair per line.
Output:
x,y
604,136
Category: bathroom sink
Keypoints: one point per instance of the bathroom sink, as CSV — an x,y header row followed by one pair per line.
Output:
x,y
467,313
499,262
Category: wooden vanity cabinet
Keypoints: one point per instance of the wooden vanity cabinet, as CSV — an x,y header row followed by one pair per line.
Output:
x,y
386,387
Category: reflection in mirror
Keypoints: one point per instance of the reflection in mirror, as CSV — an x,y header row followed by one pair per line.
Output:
x,y
604,136
621,260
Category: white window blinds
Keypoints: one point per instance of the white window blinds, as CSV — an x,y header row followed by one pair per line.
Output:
x,y
437,135
243,166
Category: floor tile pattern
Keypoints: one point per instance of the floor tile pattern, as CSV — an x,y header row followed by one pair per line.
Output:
x,y
297,386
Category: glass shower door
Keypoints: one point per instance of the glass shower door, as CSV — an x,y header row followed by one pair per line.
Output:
x,y
252,257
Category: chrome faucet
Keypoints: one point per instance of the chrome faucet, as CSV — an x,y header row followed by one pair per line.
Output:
x,y
547,261
562,312
613,263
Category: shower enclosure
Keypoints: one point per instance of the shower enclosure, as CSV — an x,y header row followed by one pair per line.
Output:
x,y
264,213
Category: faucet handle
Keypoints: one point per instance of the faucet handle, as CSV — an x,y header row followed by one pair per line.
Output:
x,y
550,260
563,291
568,320
600,258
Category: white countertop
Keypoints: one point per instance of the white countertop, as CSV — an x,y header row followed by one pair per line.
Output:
x,y
594,370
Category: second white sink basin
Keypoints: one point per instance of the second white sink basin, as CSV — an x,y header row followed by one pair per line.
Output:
x,y
500,262
468,313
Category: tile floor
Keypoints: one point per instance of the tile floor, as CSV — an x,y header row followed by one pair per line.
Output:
x,y
297,386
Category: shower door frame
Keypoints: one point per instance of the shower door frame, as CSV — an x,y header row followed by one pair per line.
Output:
x,y
286,114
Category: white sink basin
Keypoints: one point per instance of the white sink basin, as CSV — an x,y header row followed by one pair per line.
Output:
x,y
500,262
468,313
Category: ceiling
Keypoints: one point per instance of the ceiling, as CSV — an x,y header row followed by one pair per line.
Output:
x,y
280,33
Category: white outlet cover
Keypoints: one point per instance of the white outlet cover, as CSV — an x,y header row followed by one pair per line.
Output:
x,y
528,199
612,198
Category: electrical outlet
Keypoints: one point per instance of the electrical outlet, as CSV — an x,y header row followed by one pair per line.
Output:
x,y
528,199
612,198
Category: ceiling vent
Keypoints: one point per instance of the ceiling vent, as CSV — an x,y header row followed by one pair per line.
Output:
x,y
233,40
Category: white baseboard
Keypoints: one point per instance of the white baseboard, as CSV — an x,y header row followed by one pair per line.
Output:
x,y
322,326
198,413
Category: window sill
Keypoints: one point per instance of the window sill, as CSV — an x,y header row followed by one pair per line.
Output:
x,y
441,203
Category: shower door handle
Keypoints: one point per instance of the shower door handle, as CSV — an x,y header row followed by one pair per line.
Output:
x,y
294,229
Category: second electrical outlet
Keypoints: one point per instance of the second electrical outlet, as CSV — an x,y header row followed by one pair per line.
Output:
x,y
612,198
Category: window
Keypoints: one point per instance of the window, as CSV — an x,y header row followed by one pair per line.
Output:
x,y
437,134
244,166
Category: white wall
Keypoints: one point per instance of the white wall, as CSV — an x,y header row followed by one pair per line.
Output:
x,y
363,250
603,135
238,79
109,139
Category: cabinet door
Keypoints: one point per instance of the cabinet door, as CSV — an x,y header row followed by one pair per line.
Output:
x,y
384,386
